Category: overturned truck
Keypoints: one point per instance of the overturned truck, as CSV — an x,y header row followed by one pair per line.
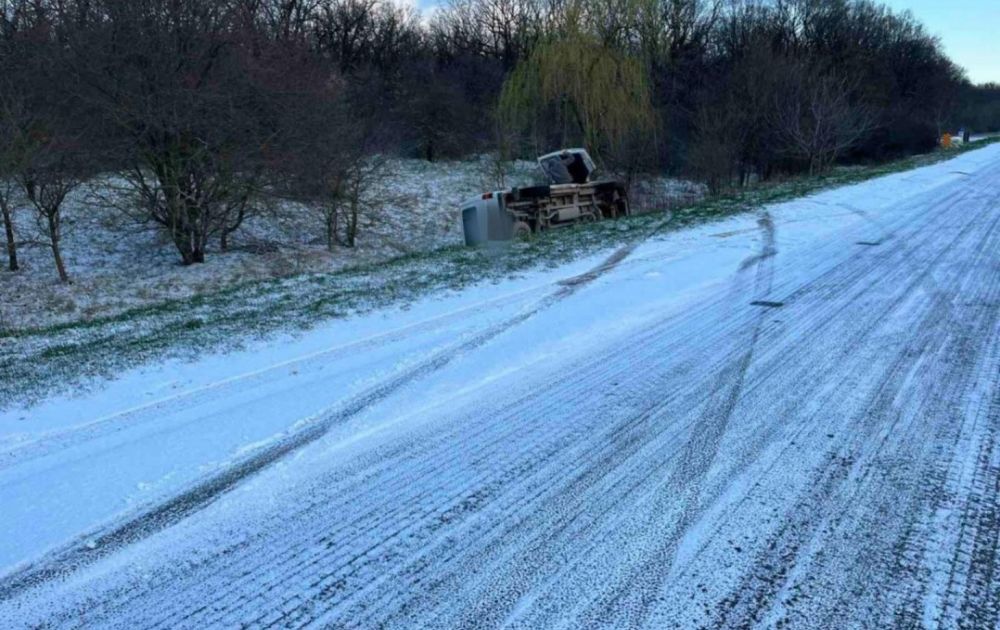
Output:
x,y
569,197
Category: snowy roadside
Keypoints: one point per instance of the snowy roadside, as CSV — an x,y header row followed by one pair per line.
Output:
x,y
979,137
164,426
39,362
119,264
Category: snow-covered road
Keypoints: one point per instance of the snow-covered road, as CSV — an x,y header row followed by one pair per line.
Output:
x,y
788,418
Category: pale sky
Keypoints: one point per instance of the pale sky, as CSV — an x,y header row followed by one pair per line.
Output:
x,y
969,31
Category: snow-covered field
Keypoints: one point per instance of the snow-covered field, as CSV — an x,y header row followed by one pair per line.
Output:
x,y
118,264
783,418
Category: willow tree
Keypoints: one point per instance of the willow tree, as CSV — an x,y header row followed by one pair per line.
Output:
x,y
574,87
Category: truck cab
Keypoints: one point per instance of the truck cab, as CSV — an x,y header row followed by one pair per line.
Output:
x,y
485,218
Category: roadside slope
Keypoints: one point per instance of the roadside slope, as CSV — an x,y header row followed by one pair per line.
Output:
x,y
35,363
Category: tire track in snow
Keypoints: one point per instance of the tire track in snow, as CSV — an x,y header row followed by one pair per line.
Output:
x,y
699,453
66,437
959,362
663,555
751,601
944,488
98,544
570,492
579,483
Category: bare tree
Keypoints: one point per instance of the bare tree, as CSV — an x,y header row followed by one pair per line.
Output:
x,y
818,119
280,20
8,190
48,176
358,179
338,183
363,34
47,193
12,116
503,30
194,201
7,212
234,213
43,134
193,98
714,154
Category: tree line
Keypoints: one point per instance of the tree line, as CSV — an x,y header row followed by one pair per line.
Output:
x,y
205,111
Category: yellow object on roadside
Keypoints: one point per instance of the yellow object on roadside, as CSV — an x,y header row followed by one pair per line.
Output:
x,y
946,141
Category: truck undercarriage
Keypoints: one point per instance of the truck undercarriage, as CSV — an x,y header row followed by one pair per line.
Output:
x,y
557,205
569,198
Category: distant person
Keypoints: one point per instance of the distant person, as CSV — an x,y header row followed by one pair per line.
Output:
x,y
965,136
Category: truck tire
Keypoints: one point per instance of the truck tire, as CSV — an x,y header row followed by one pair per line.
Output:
x,y
521,231
612,198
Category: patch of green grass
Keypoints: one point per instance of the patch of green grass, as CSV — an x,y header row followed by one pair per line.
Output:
x,y
34,362
58,350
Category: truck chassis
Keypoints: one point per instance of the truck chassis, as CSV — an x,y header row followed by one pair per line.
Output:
x,y
569,197
538,208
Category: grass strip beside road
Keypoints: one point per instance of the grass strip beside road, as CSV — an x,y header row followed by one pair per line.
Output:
x,y
37,362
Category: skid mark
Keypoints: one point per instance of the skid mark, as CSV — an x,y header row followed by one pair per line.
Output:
x,y
95,545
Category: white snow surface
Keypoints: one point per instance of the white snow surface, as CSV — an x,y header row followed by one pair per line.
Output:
x,y
117,262
535,379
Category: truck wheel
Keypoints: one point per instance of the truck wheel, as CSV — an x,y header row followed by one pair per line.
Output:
x,y
522,231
